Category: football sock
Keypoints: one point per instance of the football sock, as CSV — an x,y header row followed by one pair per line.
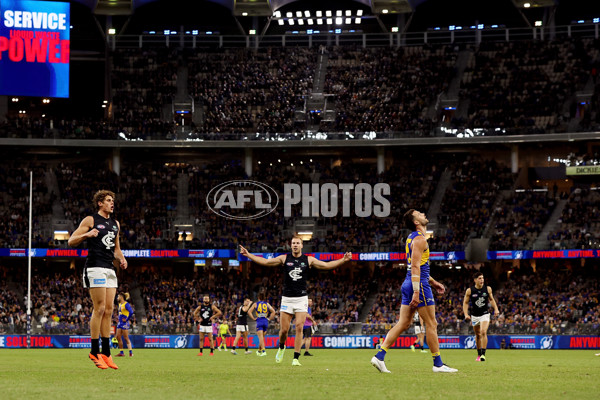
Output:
x,y
483,352
95,346
281,345
479,352
296,355
437,359
381,353
105,346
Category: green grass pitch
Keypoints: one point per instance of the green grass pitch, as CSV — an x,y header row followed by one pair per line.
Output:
x,y
330,374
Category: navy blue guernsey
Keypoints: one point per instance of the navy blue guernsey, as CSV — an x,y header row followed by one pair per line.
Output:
x,y
479,301
242,316
101,249
206,312
295,276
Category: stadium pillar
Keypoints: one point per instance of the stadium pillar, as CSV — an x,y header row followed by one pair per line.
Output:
x,y
380,160
248,162
514,159
3,108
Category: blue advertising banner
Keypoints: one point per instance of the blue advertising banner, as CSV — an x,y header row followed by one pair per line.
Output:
x,y
434,256
34,48
145,253
538,342
541,254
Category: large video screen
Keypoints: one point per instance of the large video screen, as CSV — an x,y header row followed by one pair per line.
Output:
x,y
34,48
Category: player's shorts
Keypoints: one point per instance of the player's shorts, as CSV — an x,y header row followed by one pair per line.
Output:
x,y
292,305
478,320
419,329
307,331
242,328
205,329
98,277
262,324
123,325
425,294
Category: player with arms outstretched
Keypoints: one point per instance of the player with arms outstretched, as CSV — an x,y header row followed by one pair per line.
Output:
x,y
294,301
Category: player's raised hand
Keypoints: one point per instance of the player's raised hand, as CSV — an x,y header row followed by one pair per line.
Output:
x,y
348,256
243,251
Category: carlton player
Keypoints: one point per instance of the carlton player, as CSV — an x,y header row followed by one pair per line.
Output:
x,y
478,297
294,302
206,313
102,235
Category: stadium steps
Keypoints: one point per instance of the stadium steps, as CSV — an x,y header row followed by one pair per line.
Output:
x,y
541,243
366,308
500,199
436,202
138,305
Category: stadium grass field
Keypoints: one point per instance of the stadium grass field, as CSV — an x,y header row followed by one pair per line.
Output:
x,y
330,374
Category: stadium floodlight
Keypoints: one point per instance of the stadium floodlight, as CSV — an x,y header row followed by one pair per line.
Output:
x,y
167,32
494,26
244,14
339,21
357,20
319,21
527,5
596,20
338,13
310,21
338,31
348,13
309,31
15,99
394,29
348,21
385,11
328,13
581,21
538,23
195,32
307,14
291,21
173,33
252,31
359,13
319,13
112,31
480,26
152,32
289,14
277,14
451,27
299,14
280,21
329,21
209,32
300,22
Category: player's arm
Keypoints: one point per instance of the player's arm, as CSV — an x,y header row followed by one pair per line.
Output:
x,y
493,301
217,313
314,322
249,313
270,262
118,253
272,311
86,229
418,247
130,309
197,314
318,264
466,303
252,310
438,286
